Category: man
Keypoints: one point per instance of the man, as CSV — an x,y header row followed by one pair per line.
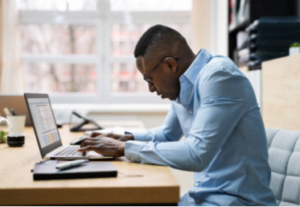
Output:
x,y
215,108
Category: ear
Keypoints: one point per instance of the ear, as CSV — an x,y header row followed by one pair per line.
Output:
x,y
171,63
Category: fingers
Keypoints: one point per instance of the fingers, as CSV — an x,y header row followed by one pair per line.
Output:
x,y
87,145
104,146
88,141
111,135
95,134
83,143
91,141
86,149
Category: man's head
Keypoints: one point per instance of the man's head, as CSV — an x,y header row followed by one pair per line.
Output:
x,y
162,56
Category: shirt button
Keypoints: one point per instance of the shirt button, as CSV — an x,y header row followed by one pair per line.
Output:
x,y
190,112
131,158
197,201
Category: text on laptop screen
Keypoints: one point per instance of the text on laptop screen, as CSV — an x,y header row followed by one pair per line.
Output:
x,y
44,121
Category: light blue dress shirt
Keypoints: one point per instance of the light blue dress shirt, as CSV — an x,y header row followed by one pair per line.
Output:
x,y
225,141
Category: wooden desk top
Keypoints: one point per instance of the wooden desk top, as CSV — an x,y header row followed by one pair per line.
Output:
x,y
135,184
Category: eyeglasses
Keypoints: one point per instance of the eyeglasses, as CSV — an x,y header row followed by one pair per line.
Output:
x,y
146,76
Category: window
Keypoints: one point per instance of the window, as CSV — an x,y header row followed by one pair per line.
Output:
x,y
58,39
62,78
82,50
57,5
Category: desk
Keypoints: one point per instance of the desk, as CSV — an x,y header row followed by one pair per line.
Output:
x,y
135,184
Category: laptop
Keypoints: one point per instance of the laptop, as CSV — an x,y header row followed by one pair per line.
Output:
x,y
16,102
47,134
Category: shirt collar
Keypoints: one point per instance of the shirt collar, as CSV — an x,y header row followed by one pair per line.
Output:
x,y
188,79
191,74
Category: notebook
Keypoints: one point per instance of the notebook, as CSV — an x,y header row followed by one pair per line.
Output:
x,y
46,170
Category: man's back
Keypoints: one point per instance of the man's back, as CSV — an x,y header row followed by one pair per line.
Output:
x,y
239,172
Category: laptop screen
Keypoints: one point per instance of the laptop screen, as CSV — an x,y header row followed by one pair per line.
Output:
x,y
44,121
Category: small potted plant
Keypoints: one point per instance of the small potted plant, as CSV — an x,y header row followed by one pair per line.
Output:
x,y
295,48
2,137
2,132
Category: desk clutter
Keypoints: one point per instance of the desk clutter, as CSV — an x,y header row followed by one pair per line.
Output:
x,y
15,126
81,127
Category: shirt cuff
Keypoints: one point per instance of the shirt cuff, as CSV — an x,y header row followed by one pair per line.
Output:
x,y
140,136
132,149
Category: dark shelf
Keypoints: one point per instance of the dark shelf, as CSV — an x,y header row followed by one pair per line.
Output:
x,y
257,9
241,26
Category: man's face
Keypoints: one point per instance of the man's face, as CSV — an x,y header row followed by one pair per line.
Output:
x,y
164,78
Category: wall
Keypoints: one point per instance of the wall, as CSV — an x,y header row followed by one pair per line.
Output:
x,y
201,13
219,27
281,92
210,26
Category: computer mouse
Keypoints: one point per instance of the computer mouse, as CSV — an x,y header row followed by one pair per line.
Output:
x,y
78,140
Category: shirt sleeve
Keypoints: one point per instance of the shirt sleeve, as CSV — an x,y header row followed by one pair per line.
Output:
x,y
222,106
170,131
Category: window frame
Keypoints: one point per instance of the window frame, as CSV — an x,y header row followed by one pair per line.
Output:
x,y
103,19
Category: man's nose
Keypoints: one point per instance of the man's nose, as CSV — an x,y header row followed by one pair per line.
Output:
x,y
151,88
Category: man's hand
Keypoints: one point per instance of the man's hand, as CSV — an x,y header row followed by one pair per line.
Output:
x,y
104,146
122,138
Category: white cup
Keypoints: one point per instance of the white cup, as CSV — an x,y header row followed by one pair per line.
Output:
x,y
16,124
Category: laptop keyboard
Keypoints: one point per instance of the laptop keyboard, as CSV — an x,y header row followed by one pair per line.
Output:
x,y
69,151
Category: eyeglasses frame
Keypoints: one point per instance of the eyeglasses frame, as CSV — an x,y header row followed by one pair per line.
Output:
x,y
160,62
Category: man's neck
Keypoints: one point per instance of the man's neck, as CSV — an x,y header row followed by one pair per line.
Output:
x,y
186,63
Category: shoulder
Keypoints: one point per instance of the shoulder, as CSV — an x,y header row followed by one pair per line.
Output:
x,y
220,66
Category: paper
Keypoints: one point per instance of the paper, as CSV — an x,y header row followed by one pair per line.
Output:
x,y
116,130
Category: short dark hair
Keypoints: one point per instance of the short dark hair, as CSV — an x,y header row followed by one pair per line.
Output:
x,y
155,36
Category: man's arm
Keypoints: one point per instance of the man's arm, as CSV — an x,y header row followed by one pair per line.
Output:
x,y
223,105
114,145
170,131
